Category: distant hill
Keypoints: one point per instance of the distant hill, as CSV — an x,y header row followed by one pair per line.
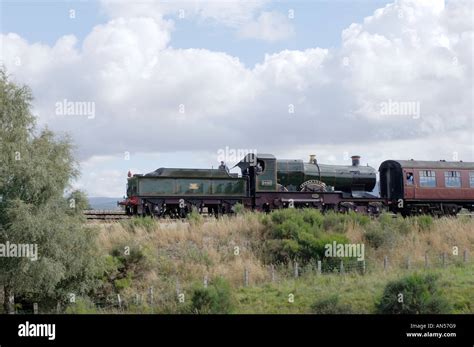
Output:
x,y
100,203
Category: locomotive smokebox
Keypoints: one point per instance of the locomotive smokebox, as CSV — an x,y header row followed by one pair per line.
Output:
x,y
355,160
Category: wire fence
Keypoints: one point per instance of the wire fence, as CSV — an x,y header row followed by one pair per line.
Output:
x,y
276,273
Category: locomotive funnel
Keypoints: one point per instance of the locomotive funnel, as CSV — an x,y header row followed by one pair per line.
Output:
x,y
355,160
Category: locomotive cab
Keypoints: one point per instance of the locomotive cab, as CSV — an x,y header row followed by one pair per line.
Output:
x,y
261,171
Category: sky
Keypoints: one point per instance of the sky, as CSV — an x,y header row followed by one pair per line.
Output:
x,y
146,84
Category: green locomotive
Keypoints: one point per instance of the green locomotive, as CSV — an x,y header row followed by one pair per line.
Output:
x,y
296,175
176,191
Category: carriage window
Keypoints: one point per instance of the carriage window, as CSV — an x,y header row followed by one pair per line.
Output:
x,y
427,178
452,179
409,178
471,179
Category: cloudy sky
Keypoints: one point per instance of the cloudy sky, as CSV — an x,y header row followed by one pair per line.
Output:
x,y
173,84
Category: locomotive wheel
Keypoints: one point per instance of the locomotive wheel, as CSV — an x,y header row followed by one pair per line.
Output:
x,y
346,207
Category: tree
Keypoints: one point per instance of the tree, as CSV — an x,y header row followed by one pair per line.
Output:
x,y
35,169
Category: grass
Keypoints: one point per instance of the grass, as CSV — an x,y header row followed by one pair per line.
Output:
x,y
178,256
356,291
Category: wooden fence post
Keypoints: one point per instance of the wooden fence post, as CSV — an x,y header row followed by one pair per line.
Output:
x,y
319,267
272,269
35,308
246,277
11,304
178,288
342,267
363,267
385,263
408,263
205,281
296,269
119,301
150,295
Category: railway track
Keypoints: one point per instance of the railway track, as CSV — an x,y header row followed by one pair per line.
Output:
x,y
105,215
114,215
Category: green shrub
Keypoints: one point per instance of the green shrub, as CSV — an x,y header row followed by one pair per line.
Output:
x,y
335,221
81,306
424,222
331,305
130,257
216,298
397,225
238,208
386,230
413,294
312,217
297,234
377,237
359,218
122,266
123,283
195,218
279,216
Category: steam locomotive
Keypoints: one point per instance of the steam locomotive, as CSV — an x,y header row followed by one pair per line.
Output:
x,y
407,187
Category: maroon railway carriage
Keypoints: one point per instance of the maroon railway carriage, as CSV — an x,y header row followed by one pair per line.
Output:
x,y
434,187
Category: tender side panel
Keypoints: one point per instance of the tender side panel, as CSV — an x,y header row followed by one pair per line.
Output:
x,y
158,186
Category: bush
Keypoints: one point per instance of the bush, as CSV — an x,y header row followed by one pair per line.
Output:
x,y
377,237
194,218
335,221
238,208
414,294
385,231
297,234
216,298
331,305
124,265
123,283
359,218
424,222
395,225
81,306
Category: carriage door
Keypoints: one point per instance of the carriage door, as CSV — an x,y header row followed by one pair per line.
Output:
x,y
409,183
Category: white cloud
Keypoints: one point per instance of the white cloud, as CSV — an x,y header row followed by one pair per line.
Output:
x,y
138,82
245,17
269,26
232,13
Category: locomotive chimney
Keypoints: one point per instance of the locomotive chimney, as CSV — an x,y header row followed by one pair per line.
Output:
x,y
312,158
355,160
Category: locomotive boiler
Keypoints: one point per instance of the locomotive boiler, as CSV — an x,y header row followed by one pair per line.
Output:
x,y
296,175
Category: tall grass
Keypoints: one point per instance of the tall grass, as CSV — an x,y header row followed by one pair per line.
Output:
x,y
181,255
